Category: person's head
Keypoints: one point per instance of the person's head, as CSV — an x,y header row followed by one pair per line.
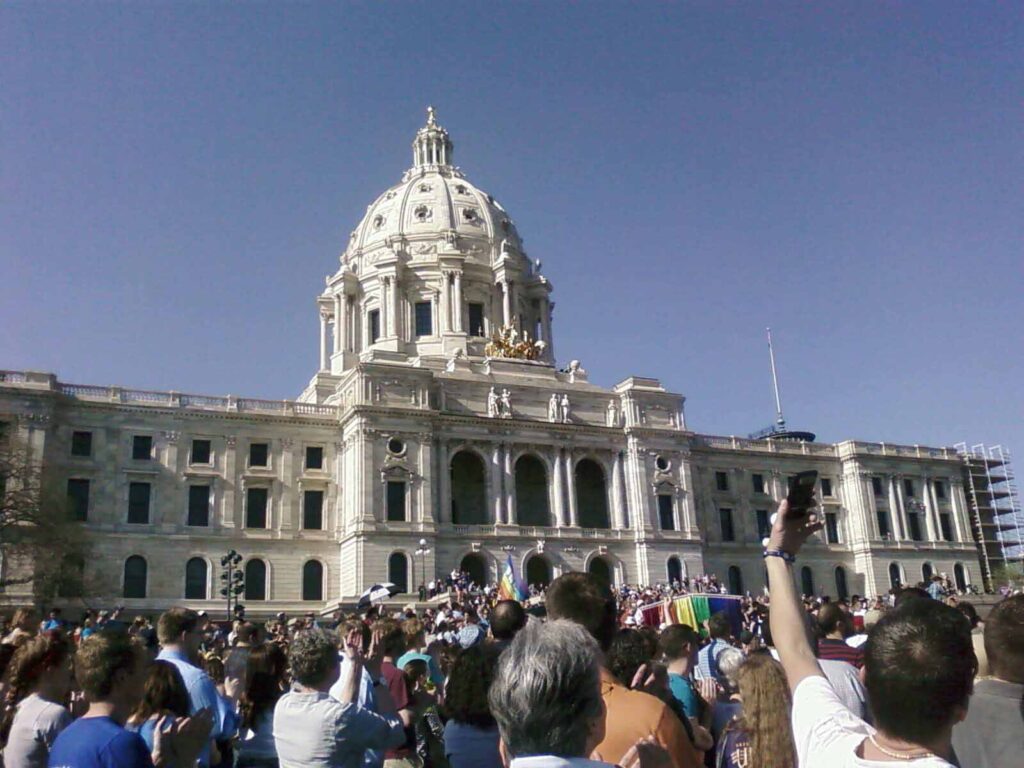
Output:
x,y
392,638
55,613
351,625
417,674
719,627
414,634
729,661
968,610
24,619
919,668
179,627
165,691
910,593
265,671
213,665
546,696
766,710
313,657
41,665
245,633
630,649
585,600
677,642
470,679
832,619
1004,639
507,618
111,667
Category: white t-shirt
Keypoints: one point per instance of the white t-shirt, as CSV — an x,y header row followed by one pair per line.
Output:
x,y
827,734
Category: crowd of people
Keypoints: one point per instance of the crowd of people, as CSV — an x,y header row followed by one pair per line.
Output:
x,y
574,676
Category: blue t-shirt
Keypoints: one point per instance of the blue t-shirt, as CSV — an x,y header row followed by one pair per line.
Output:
x,y
467,746
682,691
98,742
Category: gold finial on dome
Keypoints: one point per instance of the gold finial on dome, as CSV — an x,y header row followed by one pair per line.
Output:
x,y
431,121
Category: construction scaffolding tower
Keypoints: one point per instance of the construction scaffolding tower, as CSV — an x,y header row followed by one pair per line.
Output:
x,y
996,518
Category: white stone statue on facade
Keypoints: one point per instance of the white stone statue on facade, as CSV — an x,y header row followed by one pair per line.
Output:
x,y
564,413
492,403
505,404
553,409
575,369
612,414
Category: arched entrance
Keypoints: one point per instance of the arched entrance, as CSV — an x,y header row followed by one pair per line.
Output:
x,y
960,577
398,571
927,572
895,577
532,491
469,489
735,581
601,570
807,581
841,590
538,571
591,497
475,567
675,570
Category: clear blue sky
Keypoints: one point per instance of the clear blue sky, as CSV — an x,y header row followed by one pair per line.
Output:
x,y
178,178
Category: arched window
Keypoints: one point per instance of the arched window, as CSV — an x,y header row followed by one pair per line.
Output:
x,y
841,590
135,573
895,577
255,580
926,572
807,581
960,577
600,569
735,580
591,496
469,489
532,492
675,570
475,567
398,571
195,579
538,571
313,580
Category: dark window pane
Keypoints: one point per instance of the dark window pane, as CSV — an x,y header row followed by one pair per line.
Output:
x,y
763,526
81,443
195,579
138,503
396,501
876,485
826,487
78,499
908,487
255,580
947,526
806,581
883,524
142,447
424,319
758,481
200,452
314,457
258,454
476,319
665,516
312,581
915,526
256,508
725,518
373,323
722,481
135,577
199,505
313,510
940,489
831,528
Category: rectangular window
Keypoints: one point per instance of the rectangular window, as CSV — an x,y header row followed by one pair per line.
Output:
x,y
883,524
258,454
424,319
722,481
314,457
940,489
758,480
81,443
256,508
78,499
665,515
396,500
831,528
138,503
908,487
199,505
373,325
876,487
826,487
142,447
764,528
313,510
725,519
915,526
946,524
476,319
200,452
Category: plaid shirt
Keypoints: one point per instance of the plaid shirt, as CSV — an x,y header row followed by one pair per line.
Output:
x,y
704,666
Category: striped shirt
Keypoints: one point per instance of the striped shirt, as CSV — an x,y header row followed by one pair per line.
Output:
x,y
838,650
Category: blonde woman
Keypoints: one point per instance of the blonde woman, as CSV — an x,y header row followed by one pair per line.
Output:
x,y
761,735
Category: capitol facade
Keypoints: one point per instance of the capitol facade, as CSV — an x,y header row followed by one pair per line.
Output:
x,y
438,413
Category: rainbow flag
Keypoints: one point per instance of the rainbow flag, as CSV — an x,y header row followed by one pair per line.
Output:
x,y
510,587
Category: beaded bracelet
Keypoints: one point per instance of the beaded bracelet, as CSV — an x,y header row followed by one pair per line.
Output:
x,y
779,553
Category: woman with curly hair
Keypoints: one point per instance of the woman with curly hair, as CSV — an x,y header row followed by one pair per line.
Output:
x,y
471,733
265,682
164,694
39,681
761,735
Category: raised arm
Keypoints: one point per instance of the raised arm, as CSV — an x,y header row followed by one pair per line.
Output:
x,y
787,617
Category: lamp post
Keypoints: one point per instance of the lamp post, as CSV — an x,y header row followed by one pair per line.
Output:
x,y
422,553
232,578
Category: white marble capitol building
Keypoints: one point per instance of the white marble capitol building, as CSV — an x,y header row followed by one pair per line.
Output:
x,y
438,413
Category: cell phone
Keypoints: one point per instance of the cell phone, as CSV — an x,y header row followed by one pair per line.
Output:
x,y
801,492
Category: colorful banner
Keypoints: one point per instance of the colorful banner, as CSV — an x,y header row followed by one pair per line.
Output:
x,y
510,587
694,611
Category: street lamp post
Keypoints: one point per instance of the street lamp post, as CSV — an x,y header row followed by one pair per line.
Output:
x,y
232,578
422,552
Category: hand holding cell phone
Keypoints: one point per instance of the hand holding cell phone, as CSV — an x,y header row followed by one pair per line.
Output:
x,y
801,492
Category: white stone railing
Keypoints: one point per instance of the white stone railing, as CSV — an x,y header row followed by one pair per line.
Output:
x,y
822,449
12,377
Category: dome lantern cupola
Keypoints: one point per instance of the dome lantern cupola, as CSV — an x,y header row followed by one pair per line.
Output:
x,y
432,148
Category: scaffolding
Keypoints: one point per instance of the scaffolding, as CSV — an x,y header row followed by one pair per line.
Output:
x,y
996,518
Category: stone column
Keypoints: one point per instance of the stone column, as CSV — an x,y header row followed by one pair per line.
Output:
x,y
618,490
570,482
231,483
558,502
324,346
901,532
385,307
901,501
497,496
444,480
457,304
506,302
339,322
446,301
396,308
962,523
511,513
931,520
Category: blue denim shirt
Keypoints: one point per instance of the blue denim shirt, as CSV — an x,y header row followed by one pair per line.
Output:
x,y
202,694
